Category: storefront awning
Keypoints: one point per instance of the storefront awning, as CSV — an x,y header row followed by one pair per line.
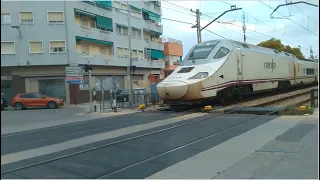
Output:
x,y
157,54
106,4
153,16
78,11
104,22
133,7
107,43
152,32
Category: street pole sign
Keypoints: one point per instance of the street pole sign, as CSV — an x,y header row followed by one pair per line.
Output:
x,y
74,75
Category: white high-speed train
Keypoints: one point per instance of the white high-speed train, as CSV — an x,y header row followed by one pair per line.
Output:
x,y
220,69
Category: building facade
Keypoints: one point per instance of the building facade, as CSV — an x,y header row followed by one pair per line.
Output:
x,y
40,38
173,52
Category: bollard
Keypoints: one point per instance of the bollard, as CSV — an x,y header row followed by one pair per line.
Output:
x,y
95,108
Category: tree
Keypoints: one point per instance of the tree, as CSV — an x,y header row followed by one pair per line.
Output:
x,y
277,45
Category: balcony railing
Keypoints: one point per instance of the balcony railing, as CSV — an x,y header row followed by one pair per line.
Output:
x,y
88,29
171,40
157,24
94,56
158,40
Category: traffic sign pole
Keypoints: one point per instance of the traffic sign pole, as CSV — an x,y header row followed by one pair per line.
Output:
x,y
90,91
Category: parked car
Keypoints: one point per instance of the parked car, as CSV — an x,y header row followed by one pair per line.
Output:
x,y
4,102
122,95
23,101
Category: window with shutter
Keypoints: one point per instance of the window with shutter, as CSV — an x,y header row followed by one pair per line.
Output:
x,y
125,52
26,17
103,51
7,48
140,54
35,47
134,54
57,46
119,51
5,18
55,17
85,49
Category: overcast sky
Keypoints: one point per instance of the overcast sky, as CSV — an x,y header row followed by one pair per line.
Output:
x,y
303,30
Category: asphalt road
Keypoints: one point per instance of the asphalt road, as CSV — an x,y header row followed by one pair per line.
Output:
x,y
11,117
140,157
21,141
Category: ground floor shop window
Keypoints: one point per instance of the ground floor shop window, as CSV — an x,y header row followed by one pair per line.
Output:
x,y
53,88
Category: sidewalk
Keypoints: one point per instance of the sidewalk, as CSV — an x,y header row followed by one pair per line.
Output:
x,y
86,106
292,155
286,147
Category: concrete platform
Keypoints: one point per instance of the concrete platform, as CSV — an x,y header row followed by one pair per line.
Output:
x,y
253,110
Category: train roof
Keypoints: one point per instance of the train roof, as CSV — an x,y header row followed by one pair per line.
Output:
x,y
264,50
250,47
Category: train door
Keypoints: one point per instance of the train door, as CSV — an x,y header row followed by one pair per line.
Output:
x,y
239,65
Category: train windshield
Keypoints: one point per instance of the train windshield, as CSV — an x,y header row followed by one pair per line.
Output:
x,y
202,50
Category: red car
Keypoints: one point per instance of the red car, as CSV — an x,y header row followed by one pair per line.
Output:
x,y
22,101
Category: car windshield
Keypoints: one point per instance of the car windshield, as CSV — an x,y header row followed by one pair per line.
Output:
x,y
202,50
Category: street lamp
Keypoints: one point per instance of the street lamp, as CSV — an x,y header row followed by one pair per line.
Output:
x,y
18,28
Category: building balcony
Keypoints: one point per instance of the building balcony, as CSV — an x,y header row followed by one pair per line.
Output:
x,y
92,26
118,61
155,44
154,26
92,32
34,59
153,6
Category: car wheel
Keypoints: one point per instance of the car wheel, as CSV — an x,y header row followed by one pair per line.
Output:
x,y
52,105
18,106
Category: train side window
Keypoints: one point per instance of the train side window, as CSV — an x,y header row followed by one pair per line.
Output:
x,y
221,52
275,51
287,54
304,70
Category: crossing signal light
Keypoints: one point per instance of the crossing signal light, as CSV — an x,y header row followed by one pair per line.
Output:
x,y
87,67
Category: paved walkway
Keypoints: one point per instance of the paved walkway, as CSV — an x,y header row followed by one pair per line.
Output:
x,y
286,147
86,106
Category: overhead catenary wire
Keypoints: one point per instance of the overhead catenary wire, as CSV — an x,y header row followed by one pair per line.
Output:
x,y
305,14
181,7
269,26
288,18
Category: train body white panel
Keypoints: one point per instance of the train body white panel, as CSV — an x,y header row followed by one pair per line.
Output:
x,y
214,66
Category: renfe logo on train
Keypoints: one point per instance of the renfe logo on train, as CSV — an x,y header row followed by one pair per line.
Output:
x,y
270,65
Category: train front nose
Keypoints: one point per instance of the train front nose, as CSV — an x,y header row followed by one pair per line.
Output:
x,y
172,90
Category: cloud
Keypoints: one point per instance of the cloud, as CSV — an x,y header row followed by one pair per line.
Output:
x,y
283,29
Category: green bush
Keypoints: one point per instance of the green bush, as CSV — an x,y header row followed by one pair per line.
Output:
x,y
294,110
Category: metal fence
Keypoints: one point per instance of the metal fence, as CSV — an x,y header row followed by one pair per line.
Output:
x,y
122,101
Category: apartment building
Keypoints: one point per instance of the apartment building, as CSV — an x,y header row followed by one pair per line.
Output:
x,y
173,53
40,38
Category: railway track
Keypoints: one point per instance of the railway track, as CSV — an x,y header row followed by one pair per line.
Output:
x,y
247,101
275,102
154,156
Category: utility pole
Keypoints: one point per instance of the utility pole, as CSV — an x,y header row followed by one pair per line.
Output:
x,y
90,91
88,68
130,61
311,53
198,24
198,13
244,27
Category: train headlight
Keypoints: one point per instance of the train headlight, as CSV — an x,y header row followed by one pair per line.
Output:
x,y
200,75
